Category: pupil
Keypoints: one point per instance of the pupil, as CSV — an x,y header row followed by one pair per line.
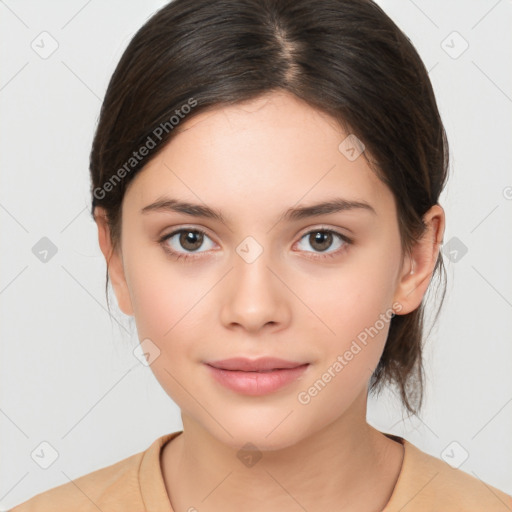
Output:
x,y
322,237
191,238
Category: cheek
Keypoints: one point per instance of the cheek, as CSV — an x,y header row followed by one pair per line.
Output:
x,y
170,313
353,305
165,305
352,297
355,315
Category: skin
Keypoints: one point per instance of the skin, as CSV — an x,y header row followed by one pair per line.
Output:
x,y
252,162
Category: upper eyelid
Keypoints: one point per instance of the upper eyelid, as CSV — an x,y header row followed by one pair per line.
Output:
x,y
318,227
324,228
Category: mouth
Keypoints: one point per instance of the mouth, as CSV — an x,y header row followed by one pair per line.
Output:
x,y
262,364
256,377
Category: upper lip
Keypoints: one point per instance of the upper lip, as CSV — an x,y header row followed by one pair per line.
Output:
x,y
252,365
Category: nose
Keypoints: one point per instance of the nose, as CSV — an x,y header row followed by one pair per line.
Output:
x,y
254,296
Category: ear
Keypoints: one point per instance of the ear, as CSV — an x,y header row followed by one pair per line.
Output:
x,y
114,262
418,267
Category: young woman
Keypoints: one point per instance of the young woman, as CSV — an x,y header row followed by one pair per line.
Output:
x,y
265,182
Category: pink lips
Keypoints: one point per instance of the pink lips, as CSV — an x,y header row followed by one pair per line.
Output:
x,y
258,376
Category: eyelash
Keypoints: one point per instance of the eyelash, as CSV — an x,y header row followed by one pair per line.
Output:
x,y
190,257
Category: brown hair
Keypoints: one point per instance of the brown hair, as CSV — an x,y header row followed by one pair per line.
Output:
x,y
346,58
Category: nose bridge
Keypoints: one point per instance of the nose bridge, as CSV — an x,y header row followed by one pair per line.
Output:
x,y
254,279
255,296
252,270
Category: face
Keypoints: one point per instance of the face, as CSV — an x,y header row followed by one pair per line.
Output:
x,y
258,280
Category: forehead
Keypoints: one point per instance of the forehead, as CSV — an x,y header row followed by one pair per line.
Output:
x,y
273,150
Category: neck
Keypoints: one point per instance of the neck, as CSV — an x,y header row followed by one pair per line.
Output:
x,y
348,465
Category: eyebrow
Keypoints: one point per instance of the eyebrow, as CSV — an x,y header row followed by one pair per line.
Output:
x,y
166,204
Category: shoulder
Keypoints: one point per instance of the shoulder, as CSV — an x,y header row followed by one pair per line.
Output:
x,y
107,489
427,483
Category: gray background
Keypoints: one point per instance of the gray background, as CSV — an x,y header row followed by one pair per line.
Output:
x,y
68,374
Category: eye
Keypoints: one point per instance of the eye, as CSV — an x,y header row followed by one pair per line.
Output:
x,y
187,241
185,238
322,239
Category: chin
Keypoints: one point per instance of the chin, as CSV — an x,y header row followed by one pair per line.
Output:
x,y
266,434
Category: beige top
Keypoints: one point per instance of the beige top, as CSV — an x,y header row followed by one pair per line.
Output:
x,y
136,484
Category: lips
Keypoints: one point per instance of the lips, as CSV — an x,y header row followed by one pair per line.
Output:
x,y
256,377
263,364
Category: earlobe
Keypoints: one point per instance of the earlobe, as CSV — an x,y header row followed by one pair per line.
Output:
x,y
419,265
114,262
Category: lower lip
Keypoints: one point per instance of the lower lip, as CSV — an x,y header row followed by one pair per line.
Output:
x,y
257,383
